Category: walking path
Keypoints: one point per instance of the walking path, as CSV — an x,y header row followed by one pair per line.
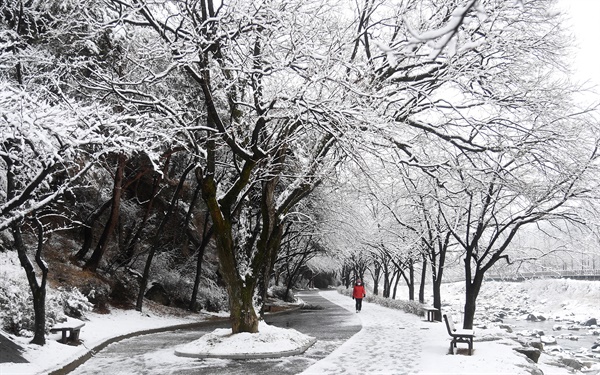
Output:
x,y
386,334
393,342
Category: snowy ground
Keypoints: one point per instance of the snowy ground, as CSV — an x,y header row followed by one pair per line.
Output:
x,y
391,342
98,329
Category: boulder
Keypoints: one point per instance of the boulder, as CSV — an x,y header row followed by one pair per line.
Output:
x,y
532,318
158,294
573,363
531,353
590,322
505,327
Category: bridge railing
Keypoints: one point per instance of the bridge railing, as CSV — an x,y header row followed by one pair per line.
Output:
x,y
584,274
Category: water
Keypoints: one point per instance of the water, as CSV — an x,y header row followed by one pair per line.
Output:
x,y
584,336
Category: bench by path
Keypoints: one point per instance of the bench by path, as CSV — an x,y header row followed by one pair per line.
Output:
x,y
69,329
458,335
429,312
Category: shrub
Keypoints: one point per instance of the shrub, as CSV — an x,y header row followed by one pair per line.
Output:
x,y
281,293
411,307
16,307
213,299
74,303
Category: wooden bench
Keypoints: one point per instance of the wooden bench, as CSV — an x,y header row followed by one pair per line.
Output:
x,y
458,335
429,312
72,327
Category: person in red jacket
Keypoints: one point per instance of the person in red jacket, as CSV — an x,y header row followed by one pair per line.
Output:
x,y
358,293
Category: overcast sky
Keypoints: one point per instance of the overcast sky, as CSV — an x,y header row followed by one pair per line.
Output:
x,y
585,21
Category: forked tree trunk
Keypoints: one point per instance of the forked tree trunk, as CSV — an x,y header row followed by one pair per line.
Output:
x,y
88,230
240,288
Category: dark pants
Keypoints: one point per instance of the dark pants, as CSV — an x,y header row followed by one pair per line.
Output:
x,y
358,303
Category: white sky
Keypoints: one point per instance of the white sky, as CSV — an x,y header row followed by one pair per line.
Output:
x,y
585,23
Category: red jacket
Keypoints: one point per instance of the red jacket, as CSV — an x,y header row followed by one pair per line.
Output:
x,y
359,291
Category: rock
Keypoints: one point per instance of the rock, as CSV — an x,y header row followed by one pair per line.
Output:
x,y
505,327
573,363
590,322
548,340
541,318
570,337
531,353
554,348
531,318
557,327
158,294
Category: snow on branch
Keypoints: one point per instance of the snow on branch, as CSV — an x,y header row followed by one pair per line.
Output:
x,y
446,36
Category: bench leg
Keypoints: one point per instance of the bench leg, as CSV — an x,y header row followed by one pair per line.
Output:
x,y
64,337
74,335
470,346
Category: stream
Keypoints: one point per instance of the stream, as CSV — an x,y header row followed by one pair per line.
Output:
x,y
571,337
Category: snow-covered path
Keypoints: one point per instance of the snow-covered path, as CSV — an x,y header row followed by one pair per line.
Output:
x,y
389,334
393,342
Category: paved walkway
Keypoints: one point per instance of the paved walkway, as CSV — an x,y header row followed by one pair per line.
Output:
x,y
154,354
389,334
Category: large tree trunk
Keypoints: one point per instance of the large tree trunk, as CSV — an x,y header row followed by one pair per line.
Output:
x,y
240,290
113,218
472,291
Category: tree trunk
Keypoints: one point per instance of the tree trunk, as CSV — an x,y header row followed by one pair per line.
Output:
x,y
240,290
88,230
38,290
156,240
376,274
423,279
387,282
396,281
205,239
411,284
471,293
131,245
438,261
113,219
